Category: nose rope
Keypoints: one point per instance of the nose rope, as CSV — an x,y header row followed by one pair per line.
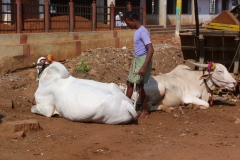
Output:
x,y
209,89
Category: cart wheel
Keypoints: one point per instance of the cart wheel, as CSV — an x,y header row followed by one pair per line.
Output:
x,y
189,64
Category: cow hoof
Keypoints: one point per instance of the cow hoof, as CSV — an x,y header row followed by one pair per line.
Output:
x,y
192,106
164,108
204,107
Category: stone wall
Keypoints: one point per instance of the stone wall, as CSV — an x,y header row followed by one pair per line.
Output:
x,y
22,50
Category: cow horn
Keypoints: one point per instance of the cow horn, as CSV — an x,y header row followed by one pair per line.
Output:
x,y
197,64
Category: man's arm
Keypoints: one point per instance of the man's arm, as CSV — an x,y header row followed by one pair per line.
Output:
x,y
148,59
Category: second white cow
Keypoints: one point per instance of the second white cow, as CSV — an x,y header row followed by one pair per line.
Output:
x,y
185,86
81,100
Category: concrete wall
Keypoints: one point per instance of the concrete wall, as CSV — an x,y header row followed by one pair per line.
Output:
x,y
22,50
203,7
152,19
187,19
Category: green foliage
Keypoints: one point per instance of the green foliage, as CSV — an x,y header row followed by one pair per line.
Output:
x,y
23,86
122,64
82,67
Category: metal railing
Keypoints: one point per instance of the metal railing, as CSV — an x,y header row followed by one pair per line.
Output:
x,y
83,18
138,11
34,17
59,18
103,18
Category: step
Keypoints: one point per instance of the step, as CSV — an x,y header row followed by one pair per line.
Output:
x,y
169,28
173,31
153,26
165,31
183,25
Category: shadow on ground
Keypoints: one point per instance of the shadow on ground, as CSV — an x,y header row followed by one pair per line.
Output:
x,y
225,103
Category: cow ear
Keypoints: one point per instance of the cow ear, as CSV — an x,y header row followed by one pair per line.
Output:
x,y
204,76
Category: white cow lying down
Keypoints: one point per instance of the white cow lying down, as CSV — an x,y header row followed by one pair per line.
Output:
x,y
81,100
185,86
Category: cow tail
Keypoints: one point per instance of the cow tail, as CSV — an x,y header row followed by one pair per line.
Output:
x,y
131,110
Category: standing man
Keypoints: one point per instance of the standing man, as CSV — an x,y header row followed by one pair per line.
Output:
x,y
118,19
141,65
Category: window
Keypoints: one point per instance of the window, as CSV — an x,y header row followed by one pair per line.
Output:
x,y
171,7
235,2
53,9
152,6
224,5
149,7
184,6
212,7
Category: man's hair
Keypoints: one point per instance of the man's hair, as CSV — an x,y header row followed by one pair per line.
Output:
x,y
131,15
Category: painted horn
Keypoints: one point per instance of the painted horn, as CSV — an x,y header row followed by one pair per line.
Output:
x,y
197,64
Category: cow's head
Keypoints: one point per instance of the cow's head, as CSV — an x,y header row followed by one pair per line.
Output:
x,y
218,74
40,63
52,73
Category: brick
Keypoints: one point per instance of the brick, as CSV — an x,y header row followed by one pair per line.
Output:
x,y
5,103
30,125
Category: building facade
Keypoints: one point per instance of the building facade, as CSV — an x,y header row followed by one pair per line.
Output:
x,y
159,12
163,12
207,10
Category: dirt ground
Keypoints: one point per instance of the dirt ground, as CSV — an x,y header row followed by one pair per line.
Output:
x,y
197,134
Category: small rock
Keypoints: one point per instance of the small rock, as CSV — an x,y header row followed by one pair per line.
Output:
x,y
195,134
12,86
18,103
175,115
182,135
18,135
92,72
70,65
32,74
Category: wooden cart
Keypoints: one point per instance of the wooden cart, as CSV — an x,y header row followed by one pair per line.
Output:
x,y
212,45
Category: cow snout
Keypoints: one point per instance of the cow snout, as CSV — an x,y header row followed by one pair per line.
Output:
x,y
235,84
232,86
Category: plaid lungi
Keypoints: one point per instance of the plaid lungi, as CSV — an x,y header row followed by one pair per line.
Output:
x,y
137,63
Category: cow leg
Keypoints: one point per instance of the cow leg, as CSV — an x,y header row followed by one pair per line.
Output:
x,y
152,108
165,108
192,106
47,110
194,100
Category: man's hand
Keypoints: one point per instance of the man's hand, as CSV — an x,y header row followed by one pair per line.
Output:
x,y
141,71
148,59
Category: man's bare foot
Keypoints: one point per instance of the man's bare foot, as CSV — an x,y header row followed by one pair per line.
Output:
x,y
143,115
